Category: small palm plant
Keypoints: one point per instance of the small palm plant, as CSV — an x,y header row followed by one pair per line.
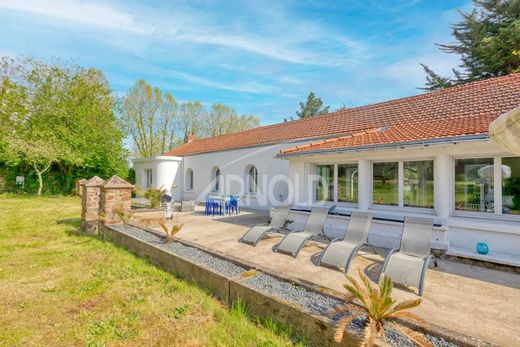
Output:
x,y
152,194
123,214
170,231
376,304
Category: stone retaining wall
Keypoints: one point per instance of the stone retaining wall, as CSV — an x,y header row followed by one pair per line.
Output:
x,y
318,331
99,202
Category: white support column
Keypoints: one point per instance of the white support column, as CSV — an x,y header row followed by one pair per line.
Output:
x,y
297,181
336,190
364,184
443,186
308,185
497,185
400,183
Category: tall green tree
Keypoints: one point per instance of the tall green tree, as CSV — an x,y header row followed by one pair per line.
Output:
x,y
59,117
487,41
150,117
222,119
192,114
311,107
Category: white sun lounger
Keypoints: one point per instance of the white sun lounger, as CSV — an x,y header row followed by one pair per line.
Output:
x,y
256,233
293,242
408,265
340,252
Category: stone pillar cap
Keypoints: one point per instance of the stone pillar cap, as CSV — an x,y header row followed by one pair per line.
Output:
x,y
82,181
117,182
94,182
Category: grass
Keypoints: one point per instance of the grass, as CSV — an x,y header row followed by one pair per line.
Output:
x,y
61,287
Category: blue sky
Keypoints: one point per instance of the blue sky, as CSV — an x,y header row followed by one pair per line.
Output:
x,y
260,57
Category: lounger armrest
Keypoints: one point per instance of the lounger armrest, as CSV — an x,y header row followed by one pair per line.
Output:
x,y
387,259
297,231
427,260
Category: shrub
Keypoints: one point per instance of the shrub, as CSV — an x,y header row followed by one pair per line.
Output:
x,y
376,304
153,195
170,231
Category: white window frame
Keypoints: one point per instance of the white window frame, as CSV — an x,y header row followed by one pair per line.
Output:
x,y
400,186
497,189
148,183
189,180
217,178
335,185
248,180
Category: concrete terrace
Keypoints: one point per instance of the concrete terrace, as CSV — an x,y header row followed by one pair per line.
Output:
x,y
467,299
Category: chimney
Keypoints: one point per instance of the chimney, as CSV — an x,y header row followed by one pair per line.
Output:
x,y
190,138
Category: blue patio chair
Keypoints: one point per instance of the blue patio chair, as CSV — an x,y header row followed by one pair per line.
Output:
x,y
207,209
232,205
213,206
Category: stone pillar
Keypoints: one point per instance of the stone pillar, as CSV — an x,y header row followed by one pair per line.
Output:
x,y
90,202
80,186
116,193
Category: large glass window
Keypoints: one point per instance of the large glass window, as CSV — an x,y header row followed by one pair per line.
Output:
x,y
385,185
511,185
348,183
474,181
325,182
418,183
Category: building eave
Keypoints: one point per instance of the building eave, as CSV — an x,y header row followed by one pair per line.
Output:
x,y
156,158
375,147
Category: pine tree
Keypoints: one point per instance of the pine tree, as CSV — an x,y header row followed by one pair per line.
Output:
x,y
312,107
487,41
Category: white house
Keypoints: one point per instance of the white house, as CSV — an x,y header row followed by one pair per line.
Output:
x,y
425,155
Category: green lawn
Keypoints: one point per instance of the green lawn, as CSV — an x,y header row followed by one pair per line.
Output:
x,y
60,287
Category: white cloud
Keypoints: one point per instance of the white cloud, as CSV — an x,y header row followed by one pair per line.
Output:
x,y
247,87
285,40
79,12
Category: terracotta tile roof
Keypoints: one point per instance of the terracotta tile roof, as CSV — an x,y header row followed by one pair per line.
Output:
x,y
463,110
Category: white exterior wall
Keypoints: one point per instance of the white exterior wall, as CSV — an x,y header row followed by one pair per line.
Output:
x,y
166,171
460,231
233,164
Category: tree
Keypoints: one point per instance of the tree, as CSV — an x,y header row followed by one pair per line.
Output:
x,y
192,114
343,107
59,115
240,123
150,118
219,117
313,106
223,120
487,41
39,153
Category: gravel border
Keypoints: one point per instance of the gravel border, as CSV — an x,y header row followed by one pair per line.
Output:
x,y
310,301
192,254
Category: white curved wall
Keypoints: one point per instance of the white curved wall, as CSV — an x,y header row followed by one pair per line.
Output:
x,y
166,171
